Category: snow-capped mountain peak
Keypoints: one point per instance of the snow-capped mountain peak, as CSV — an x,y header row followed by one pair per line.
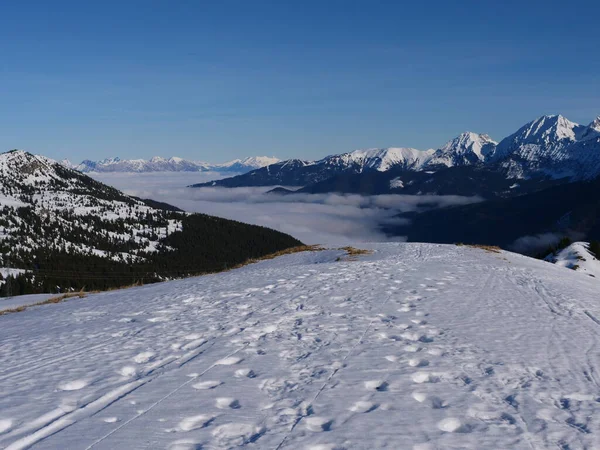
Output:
x,y
466,148
172,164
592,130
259,161
245,164
26,168
380,159
547,131
548,146
383,159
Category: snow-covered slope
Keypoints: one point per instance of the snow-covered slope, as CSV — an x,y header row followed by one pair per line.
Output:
x,y
174,164
380,159
415,347
577,256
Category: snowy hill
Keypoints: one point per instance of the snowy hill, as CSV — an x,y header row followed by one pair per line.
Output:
x,y
548,148
417,346
174,164
67,230
577,256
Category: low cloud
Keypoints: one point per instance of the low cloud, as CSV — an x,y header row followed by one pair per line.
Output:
x,y
534,244
332,219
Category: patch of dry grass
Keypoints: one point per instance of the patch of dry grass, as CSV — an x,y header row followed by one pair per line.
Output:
x,y
353,253
487,248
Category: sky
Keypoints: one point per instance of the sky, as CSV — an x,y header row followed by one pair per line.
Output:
x,y
219,80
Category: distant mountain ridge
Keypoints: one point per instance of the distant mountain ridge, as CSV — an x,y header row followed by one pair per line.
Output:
x,y
173,164
550,147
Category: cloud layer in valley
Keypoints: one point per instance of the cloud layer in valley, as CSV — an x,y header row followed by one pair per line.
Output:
x,y
332,219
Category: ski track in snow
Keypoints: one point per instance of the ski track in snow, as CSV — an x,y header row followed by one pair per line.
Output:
x,y
417,346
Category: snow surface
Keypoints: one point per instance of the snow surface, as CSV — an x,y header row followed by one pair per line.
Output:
x,y
23,300
417,346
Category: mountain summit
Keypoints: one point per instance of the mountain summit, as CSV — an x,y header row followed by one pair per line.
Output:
x,y
467,148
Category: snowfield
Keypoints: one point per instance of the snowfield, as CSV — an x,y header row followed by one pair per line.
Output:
x,y
417,346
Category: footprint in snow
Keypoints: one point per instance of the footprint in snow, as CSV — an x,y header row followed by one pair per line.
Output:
x,y
128,371
376,385
435,351
424,377
326,447
227,402
159,319
412,348
416,362
192,337
195,422
318,424
144,357
453,425
229,361
433,401
236,434
364,406
5,425
74,385
205,385
241,373
185,444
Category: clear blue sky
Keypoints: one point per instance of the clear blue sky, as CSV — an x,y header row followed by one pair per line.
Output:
x,y
215,80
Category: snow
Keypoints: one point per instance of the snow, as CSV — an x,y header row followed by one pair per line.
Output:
x,y
416,346
383,159
578,257
396,183
23,300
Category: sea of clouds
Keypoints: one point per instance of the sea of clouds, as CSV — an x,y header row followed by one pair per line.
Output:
x,y
331,219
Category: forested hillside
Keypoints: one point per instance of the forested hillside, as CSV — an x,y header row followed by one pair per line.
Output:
x,y
67,231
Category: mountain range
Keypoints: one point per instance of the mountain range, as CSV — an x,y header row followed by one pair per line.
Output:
x,y
65,230
173,164
549,150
